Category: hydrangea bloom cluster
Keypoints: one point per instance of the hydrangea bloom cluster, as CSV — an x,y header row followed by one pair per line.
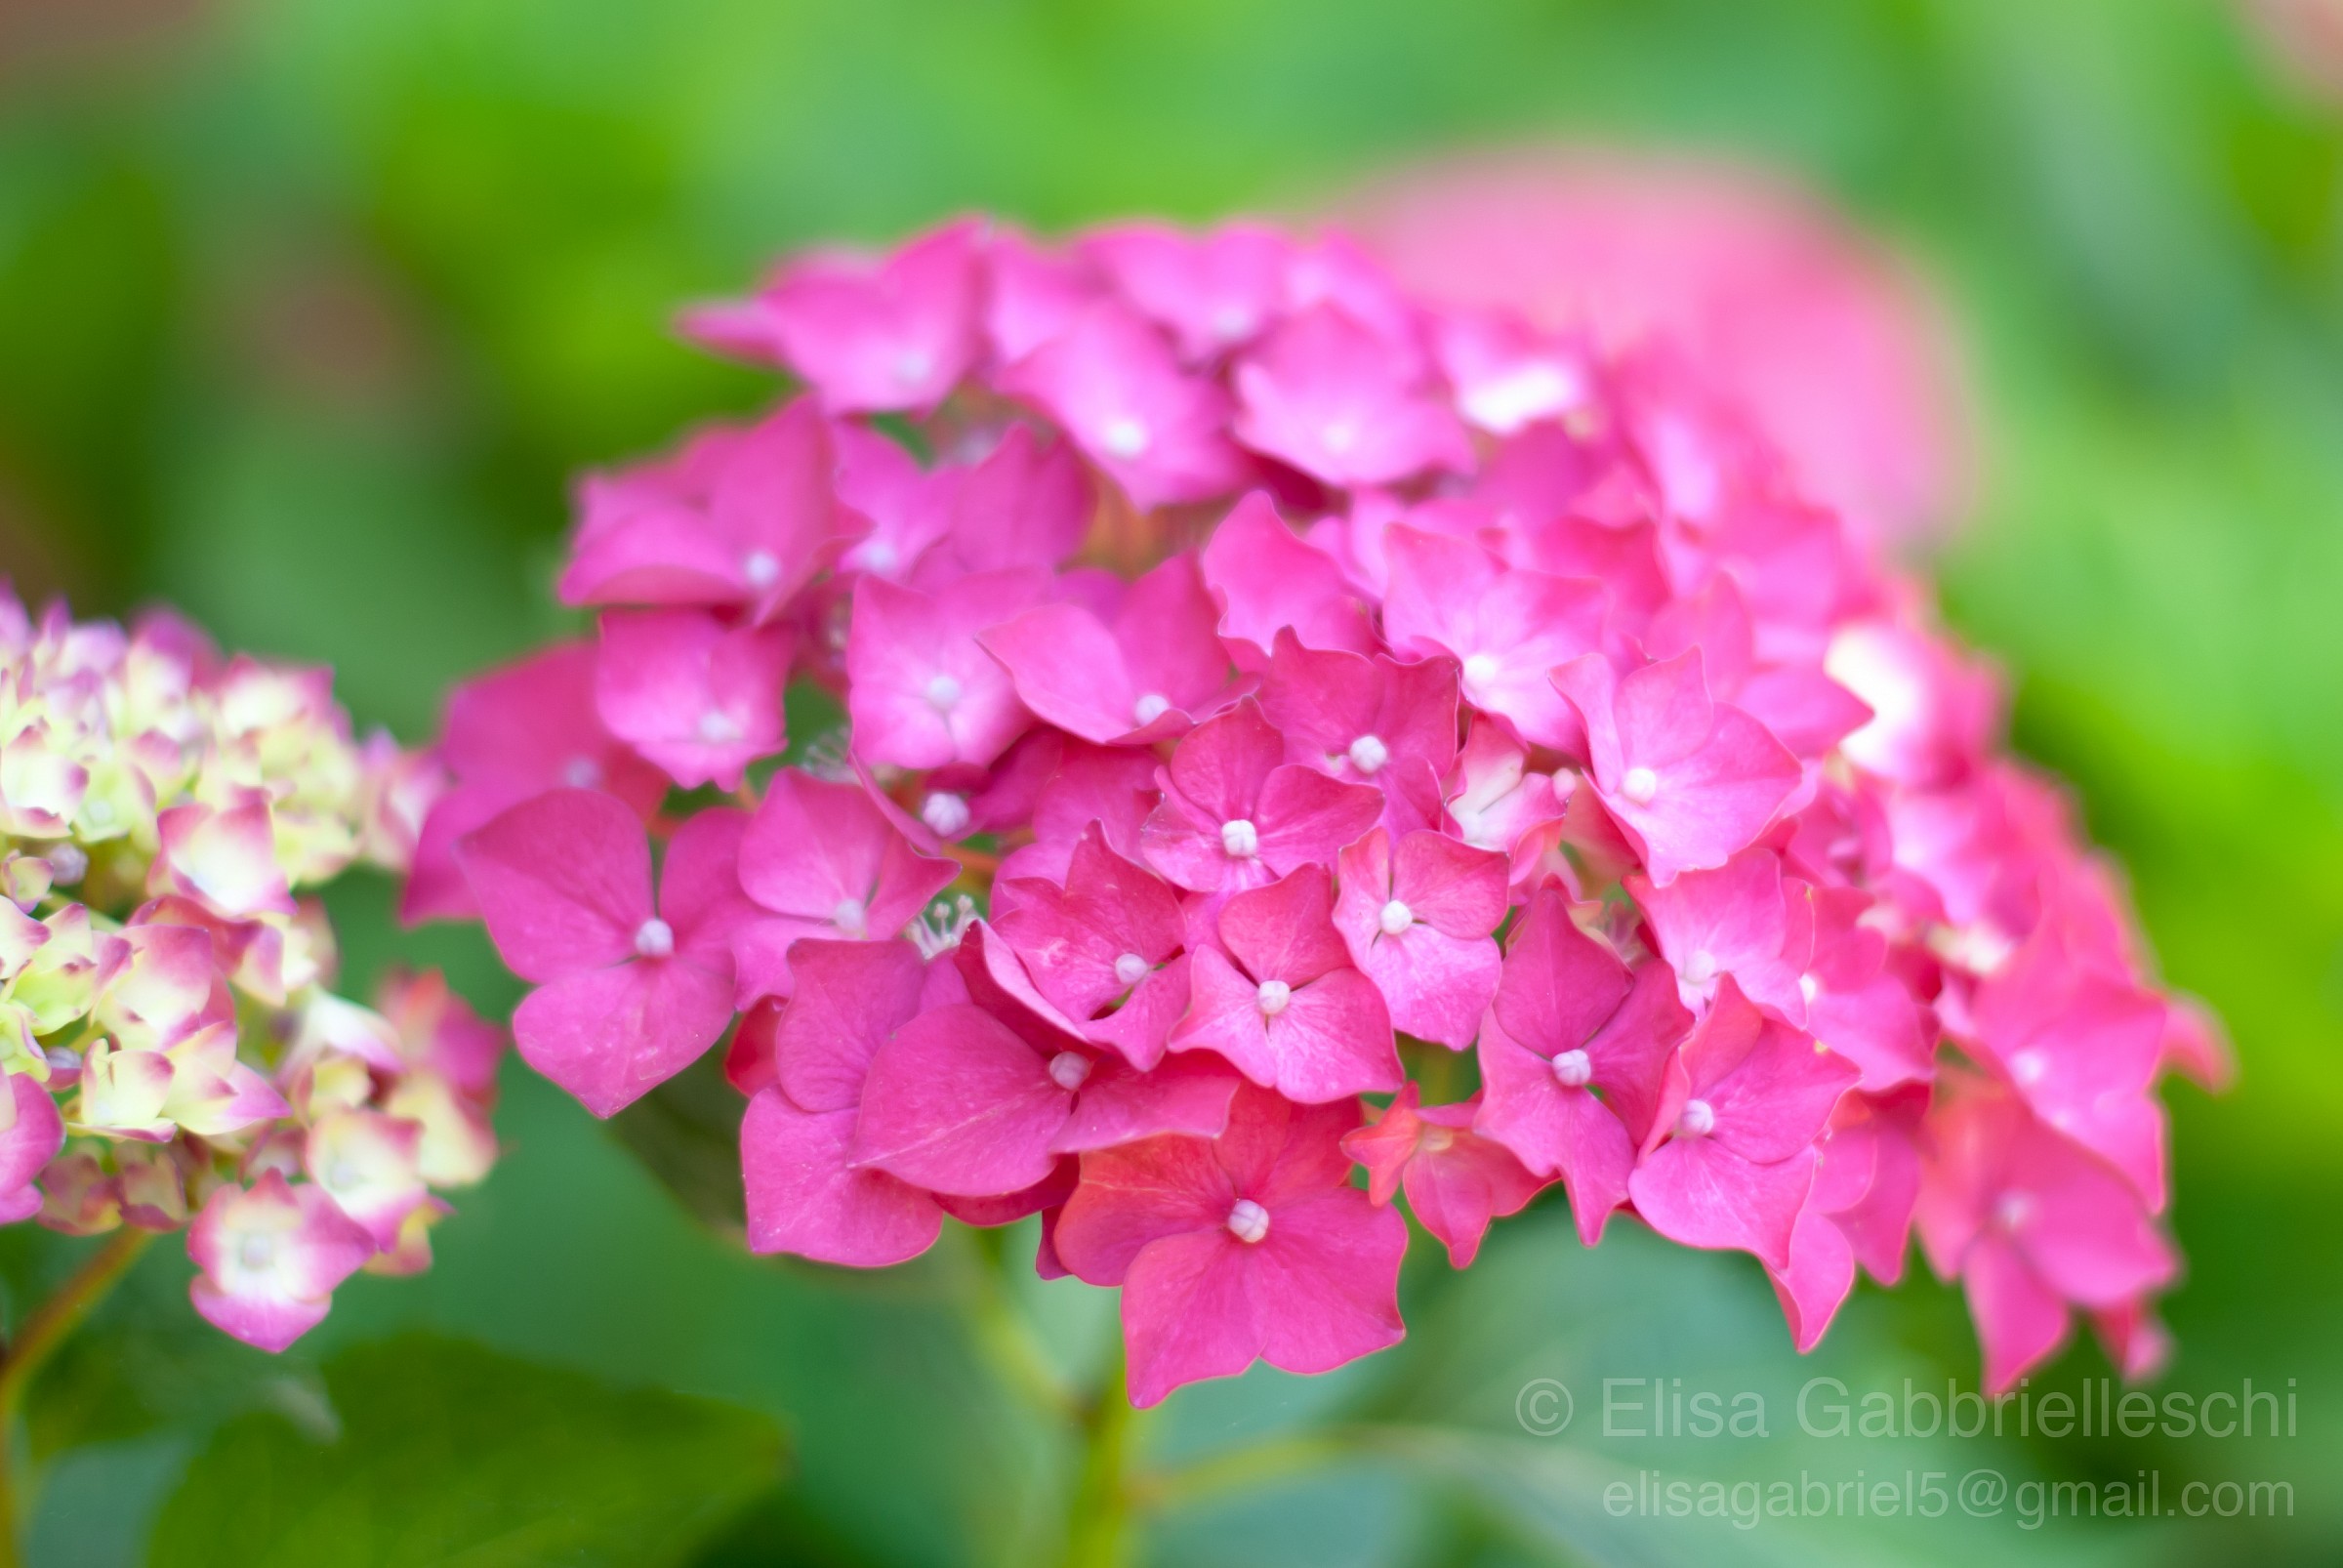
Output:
x,y
175,1056
1301,746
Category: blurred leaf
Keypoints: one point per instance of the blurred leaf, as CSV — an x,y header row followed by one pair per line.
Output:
x,y
448,1453
687,1132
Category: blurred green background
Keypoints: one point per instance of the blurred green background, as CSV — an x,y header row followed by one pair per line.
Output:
x,y
309,308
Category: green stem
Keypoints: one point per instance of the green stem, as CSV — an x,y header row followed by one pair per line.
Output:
x,y
1236,1469
1097,1523
1006,1338
48,1327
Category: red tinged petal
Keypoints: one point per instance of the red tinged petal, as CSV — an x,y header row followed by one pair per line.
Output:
x,y
564,882
1266,580
956,1103
610,1036
805,1197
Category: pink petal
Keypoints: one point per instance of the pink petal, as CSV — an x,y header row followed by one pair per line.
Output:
x,y
804,1197
610,1036
957,1104
849,998
564,882
1266,578
698,698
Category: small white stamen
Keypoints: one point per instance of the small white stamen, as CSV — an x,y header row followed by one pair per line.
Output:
x,y
943,692
718,728
342,1175
1340,436
761,568
654,938
1131,969
1275,995
581,772
946,815
1068,1070
1151,707
1231,322
1248,1221
1574,1069
880,555
911,365
1809,988
2029,1066
1481,669
2014,1210
68,864
1240,839
1395,919
1640,785
851,918
257,1252
1125,439
1697,1121
1699,969
1368,754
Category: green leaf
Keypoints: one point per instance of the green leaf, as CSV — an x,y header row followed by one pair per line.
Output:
x,y
686,1133
429,1450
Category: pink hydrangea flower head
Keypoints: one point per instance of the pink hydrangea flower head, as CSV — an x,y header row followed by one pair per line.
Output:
x,y
1250,1246
1213,292
923,690
629,991
1143,676
1330,396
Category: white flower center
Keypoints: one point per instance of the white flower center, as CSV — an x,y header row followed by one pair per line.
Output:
x,y
1248,1221
1068,1069
911,365
1275,996
1340,436
581,772
1395,919
2014,1210
1241,838
761,568
1151,707
1699,1119
654,938
68,864
2027,1066
1131,969
1640,785
1368,754
945,813
1809,988
718,728
257,1251
1699,969
851,918
1231,322
1481,668
880,555
1125,437
1574,1069
943,692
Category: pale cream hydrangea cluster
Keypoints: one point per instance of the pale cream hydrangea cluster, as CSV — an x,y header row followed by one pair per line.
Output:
x,y
175,1052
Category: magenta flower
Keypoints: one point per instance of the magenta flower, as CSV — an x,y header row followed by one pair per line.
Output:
x,y
806,1195
1457,1181
897,335
1108,949
1420,919
1266,580
1281,999
959,1101
512,733
741,520
1252,1245
2029,1223
1507,630
1729,1158
272,1254
1853,1004
1027,505
1213,292
1690,782
1735,921
1572,1058
923,690
1235,815
629,991
1113,383
1330,397
821,859
1114,787
34,1134
1368,721
700,699
1145,676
